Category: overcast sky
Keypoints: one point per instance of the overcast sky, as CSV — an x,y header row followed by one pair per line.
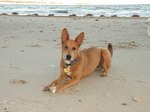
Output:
x,y
100,1
103,1
118,1
91,2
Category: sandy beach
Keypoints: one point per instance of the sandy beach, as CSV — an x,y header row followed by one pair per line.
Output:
x,y
30,52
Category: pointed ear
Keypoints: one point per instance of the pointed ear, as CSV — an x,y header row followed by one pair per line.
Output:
x,y
79,39
64,35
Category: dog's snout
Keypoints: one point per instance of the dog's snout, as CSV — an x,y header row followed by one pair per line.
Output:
x,y
68,56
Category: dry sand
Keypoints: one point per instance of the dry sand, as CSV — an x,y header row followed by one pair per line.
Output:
x,y
30,55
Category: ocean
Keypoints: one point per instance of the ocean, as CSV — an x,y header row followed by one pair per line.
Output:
x,y
79,10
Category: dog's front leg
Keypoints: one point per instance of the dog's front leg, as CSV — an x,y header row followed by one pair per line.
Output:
x,y
73,81
56,82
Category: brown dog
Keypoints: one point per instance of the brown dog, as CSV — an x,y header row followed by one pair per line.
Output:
x,y
77,64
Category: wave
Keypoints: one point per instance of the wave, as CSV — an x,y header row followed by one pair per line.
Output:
x,y
60,10
79,10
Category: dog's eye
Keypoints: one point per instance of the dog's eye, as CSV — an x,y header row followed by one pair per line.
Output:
x,y
73,48
66,47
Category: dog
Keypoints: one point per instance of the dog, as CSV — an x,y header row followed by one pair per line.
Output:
x,y
76,64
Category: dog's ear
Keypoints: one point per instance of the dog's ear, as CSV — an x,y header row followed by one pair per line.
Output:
x,y
64,35
79,39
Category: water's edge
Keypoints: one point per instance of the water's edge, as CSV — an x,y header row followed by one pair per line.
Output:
x,y
77,10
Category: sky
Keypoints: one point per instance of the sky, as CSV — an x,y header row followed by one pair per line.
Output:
x,y
117,1
90,2
99,2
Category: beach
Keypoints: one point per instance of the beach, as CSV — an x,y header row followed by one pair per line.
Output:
x,y
30,52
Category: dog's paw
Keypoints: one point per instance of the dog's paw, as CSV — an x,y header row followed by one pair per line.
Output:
x,y
104,75
47,88
53,89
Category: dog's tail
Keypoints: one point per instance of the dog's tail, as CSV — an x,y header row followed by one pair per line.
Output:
x,y
110,48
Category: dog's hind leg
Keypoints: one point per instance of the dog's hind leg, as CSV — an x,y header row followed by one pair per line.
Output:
x,y
104,70
106,66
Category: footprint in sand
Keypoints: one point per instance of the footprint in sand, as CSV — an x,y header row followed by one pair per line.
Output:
x,y
129,44
36,45
141,82
18,81
4,47
141,99
14,66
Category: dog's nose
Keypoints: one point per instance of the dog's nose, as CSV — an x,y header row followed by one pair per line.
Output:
x,y
68,56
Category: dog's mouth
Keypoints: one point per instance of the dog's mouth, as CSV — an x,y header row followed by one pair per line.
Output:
x,y
69,58
67,61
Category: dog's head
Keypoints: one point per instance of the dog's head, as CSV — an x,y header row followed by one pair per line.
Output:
x,y
70,47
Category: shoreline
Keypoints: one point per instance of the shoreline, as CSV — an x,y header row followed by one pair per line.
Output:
x,y
70,16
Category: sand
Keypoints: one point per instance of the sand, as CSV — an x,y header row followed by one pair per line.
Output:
x,y
29,60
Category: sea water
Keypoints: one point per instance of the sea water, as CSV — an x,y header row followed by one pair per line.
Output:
x,y
79,10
